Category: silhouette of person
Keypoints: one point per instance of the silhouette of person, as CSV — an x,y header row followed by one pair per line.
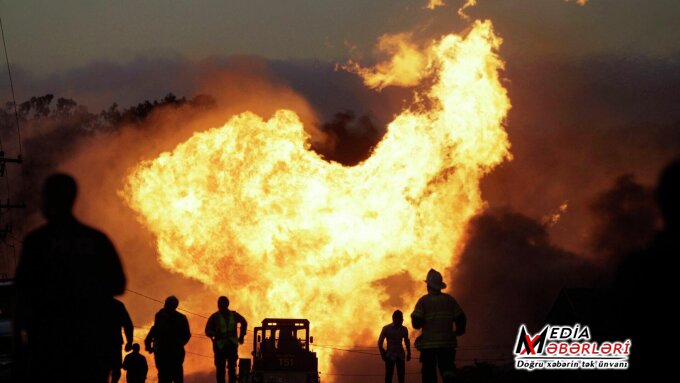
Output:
x,y
646,280
395,333
67,274
135,365
221,328
436,313
166,340
120,318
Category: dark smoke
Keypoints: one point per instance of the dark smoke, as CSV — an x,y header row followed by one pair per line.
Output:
x,y
576,125
510,273
351,139
625,219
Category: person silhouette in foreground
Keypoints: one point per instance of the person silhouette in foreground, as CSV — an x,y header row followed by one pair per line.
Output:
x,y
135,365
436,313
120,318
66,277
646,281
395,333
166,340
221,328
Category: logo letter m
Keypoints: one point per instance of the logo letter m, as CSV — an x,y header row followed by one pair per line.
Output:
x,y
530,344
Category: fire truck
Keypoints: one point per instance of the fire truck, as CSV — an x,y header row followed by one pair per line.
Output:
x,y
281,354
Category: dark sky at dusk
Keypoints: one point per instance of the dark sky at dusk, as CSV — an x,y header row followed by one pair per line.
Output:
x,y
52,37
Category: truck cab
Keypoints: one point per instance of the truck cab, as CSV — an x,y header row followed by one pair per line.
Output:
x,y
281,352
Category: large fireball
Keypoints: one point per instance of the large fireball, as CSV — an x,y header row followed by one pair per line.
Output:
x,y
249,210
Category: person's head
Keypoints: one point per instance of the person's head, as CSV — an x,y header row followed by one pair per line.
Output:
x,y
58,195
135,348
398,317
434,281
223,303
668,195
171,303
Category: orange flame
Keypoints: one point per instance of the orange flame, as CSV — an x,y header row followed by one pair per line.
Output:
x,y
432,4
249,210
407,66
554,217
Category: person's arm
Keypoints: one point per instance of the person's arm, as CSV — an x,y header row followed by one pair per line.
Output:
x,y
407,342
461,323
128,328
113,274
186,330
210,327
381,341
244,327
418,316
149,340
145,368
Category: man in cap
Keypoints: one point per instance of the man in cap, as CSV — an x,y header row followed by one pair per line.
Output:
x,y
221,328
436,313
166,340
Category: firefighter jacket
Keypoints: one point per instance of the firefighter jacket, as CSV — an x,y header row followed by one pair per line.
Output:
x,y
436,312
221,327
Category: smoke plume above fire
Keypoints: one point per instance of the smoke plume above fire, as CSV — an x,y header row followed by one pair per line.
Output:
x,y
250,211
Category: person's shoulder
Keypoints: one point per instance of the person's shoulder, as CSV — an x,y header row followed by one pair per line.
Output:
x,y
92,232
36,235
449,297
387,327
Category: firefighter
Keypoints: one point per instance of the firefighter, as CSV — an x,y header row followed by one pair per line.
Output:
x,y
436,313
166,340
221,328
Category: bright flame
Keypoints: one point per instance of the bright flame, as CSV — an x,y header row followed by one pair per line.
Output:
x,y
432,4
553,218
468,4
252,212
407,65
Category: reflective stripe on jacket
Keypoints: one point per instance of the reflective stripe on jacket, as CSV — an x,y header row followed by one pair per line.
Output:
x,y
438,312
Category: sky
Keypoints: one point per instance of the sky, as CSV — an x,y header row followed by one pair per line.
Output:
x,y
46,37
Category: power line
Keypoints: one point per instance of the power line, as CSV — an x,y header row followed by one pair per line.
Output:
x,y
161,302
11,84
3,161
